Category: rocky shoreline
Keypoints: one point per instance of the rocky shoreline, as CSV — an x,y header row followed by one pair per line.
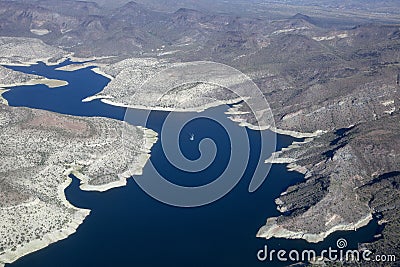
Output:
x,y
149,137
33,206
339,189
2,99
9,256
273,230
108,100
51,83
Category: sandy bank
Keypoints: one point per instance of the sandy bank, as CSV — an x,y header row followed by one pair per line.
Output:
x,y
293,167
298,134
74,67
100,72
272,230
95,97
243,123
74,58
51,83
2,99
107,100
79,216
275,159
81,63
40,32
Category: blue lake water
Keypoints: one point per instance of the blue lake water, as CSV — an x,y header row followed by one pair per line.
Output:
x,y
129,228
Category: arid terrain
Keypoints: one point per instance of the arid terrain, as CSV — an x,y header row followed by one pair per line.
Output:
x,y
39,150
330,71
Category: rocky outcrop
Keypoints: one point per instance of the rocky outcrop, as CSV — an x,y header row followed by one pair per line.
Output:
x,y
345,174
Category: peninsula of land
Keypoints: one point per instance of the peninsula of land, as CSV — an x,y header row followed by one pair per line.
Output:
x,y
48,148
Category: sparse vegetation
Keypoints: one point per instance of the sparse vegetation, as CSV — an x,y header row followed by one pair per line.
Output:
x,y
39,149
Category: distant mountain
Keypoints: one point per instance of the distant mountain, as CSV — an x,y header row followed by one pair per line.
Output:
x,y
304,17
132,28
87,28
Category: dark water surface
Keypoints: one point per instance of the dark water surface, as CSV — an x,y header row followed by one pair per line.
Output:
x,y
129,228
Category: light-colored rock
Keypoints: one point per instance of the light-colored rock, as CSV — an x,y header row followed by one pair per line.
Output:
x,y
39,151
